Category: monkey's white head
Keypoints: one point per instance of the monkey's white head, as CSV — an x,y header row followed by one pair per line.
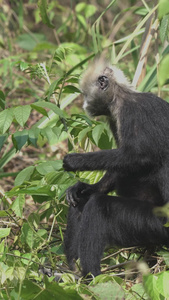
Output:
x,y
100,85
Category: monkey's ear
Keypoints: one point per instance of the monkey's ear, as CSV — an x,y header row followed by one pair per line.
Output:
x,y
103,82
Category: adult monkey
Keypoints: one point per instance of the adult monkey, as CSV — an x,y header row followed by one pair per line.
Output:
x,y
138,170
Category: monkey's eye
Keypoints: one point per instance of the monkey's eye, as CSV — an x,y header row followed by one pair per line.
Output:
x,y
103,82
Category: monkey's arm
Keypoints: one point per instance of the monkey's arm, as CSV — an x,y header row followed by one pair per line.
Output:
x,y
116,159
91,161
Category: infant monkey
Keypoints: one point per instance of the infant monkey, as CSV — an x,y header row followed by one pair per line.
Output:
x,y
138,170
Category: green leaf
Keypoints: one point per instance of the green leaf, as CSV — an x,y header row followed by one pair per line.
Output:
x,y
52,88
83,133
39,191
70,89
165,255
112,290
56,177
22,114
51,106
18,204
164,28
149,81
6,118
7,157
163,8
20,138
91,177
163,284
80,7
24,175
29,290
90,10
163,70
27,235
50,135
59,54
29,42
84,117
3,138
23,66
142,11
27,256
2,246
39,237
39,109
3,213
57,131
42,4
105,141
2,100
50,166
4,232
97,132
52,291
57,249
82,21
137,289
73,80
33,136
150,285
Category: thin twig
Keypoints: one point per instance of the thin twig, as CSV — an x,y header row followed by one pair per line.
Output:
x,y
5,197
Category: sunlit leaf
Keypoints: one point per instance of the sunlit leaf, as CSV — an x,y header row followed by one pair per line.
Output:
x,y
150,285
24,175
4,232
163,8
163,70
17,205
112,290
91,176
50,166
6,118
23,65
51,106
27,235
22,114
162,284
164,28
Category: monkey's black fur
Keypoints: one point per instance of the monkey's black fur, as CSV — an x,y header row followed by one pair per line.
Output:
x,y
138,170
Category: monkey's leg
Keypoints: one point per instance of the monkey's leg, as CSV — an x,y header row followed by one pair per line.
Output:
x,y
92,235
71,237
117,221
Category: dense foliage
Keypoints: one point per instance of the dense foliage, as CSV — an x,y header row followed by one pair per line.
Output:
x,y
45,46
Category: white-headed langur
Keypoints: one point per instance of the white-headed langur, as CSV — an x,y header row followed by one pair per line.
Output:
x,y
138,170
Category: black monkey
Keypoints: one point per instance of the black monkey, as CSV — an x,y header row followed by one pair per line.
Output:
x,y
138,170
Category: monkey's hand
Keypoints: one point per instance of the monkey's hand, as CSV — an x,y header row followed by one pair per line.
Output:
x,y
78,192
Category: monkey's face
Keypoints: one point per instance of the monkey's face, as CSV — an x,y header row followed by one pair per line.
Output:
x,y
101,84
97,88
